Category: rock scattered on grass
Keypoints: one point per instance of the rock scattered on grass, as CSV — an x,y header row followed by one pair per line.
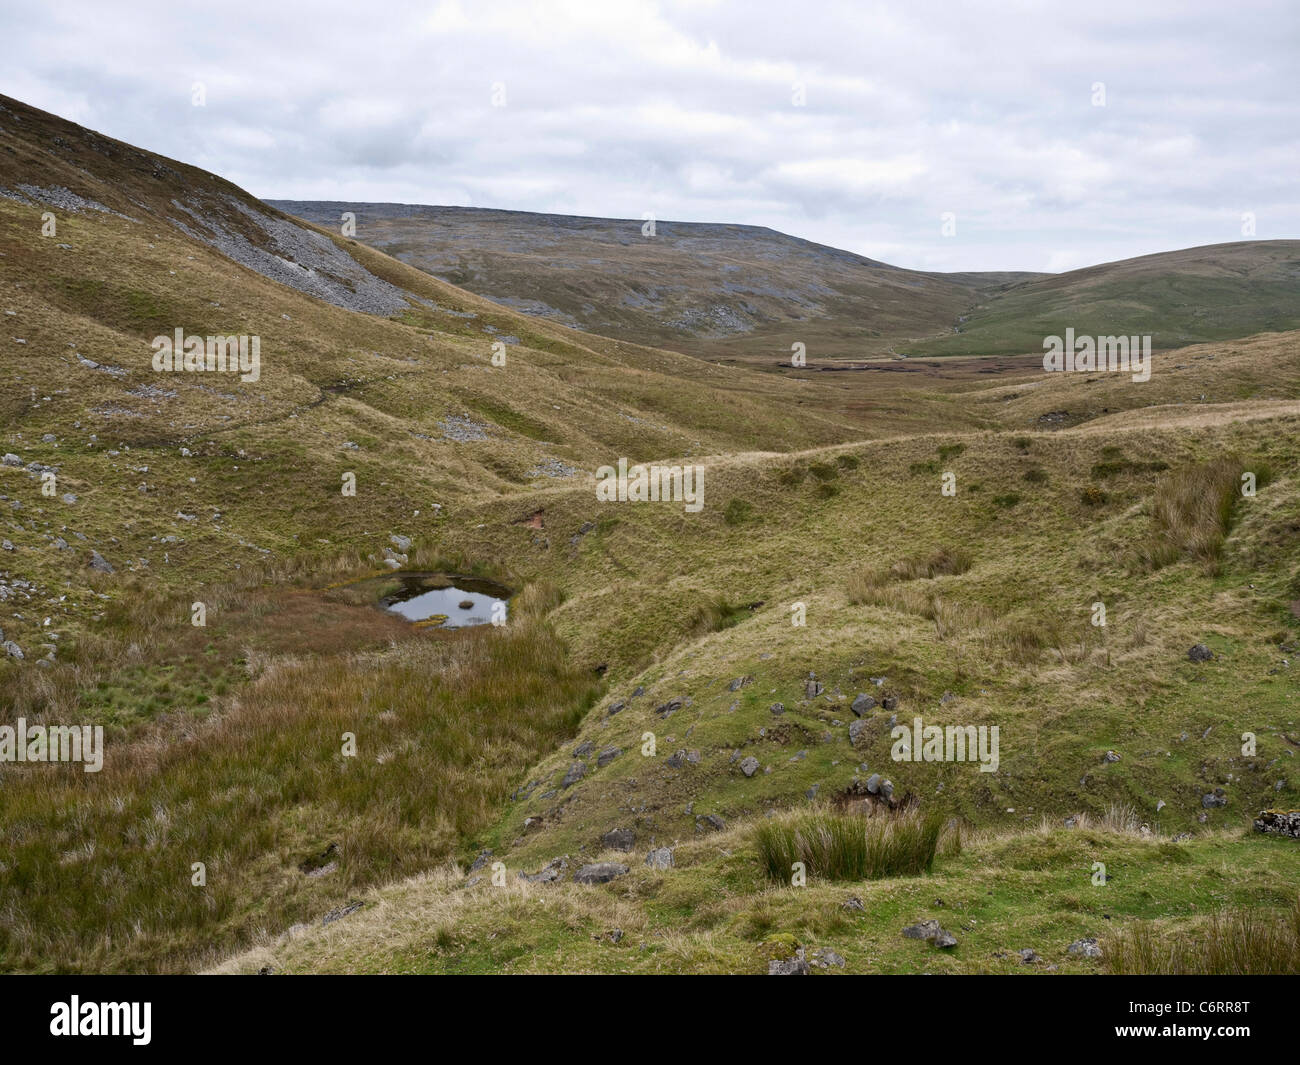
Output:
x,y
600,873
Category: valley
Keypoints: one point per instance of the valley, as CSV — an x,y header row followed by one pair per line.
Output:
x,y
597,783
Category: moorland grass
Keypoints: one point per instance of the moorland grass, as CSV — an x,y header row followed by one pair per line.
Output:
x,y
838,846
1235,942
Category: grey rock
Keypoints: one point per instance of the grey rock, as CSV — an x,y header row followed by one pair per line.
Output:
x,y
607,755
777,709
576,772
550,873
584,750
713,821
796,966
660,858
873,784
749,766
862,704
619,839
739,683
99,562
1085,948
1028,956
341,912
825,958
11,459
600,873
930,930
666,710
853,904
12,649
1199,653
402,543
857,729
1215,799
926,929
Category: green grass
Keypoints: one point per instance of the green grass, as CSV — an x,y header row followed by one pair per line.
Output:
x,y
832,846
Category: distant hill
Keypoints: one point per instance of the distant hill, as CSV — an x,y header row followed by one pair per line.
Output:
x,y
702,288
1192,296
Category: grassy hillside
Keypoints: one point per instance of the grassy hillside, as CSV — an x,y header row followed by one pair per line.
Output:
x,y
1215,293
647,646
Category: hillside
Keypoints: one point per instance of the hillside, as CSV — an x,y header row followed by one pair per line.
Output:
x,y
743,293
720,291
1193,296
227,743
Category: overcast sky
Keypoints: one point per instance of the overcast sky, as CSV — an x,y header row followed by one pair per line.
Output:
x,y
855,124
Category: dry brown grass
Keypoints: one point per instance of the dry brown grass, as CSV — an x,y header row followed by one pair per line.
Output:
x,y
941,562
97,866
1236,942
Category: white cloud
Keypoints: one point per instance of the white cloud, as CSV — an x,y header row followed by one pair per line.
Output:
x,y
685,107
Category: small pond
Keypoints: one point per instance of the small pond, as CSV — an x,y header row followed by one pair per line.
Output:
x,y
429,597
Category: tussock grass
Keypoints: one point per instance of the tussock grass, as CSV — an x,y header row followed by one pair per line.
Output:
x,y
1192,513
835,846
1236,942
941,562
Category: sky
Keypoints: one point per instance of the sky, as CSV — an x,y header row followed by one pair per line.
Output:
x,y
939,136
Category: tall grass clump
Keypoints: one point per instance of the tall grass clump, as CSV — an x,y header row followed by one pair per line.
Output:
x,y
1237,942
1192,513
835,846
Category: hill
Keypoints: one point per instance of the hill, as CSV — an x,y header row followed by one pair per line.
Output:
x,y
1193,296
719,291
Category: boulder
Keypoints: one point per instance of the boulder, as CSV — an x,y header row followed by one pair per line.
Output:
x,y
619,839
796,966
660,858
1199,653
600,873
749,766
862,704
1085,948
